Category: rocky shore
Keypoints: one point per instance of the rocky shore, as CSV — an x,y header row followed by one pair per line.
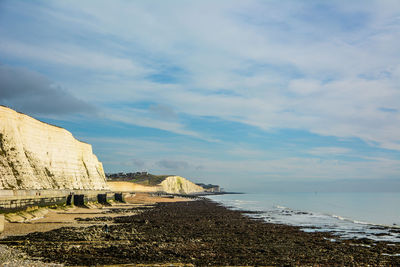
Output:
x,y
200,233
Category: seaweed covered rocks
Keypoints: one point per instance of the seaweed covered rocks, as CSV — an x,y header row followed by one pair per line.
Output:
x,y
200,233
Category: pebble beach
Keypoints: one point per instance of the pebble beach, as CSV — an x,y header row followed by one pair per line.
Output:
x,y
199,232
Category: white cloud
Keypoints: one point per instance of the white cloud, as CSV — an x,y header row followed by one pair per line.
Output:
x,y
70,55
304,87
205,164
329,151
144,118
243,151
342,63
33,93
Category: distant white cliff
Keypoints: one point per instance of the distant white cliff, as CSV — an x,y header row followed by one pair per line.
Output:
x,y
170,185
36,155
179,185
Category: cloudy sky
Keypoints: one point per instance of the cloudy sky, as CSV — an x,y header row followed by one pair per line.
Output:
x,y
261,95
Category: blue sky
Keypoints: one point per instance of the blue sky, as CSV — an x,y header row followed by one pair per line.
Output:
x,y
247,94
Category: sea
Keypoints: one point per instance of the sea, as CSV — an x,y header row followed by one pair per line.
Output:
x,y
373,216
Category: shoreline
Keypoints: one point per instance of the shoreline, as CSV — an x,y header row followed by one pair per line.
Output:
x,y
313,219
199,232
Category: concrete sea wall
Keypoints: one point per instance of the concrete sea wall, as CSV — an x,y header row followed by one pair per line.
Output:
x,y
22,199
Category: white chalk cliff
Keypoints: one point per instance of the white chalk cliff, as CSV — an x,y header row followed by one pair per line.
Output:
x,y
36,155
179,185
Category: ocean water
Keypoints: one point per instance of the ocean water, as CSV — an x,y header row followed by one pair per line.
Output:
x,y
347,215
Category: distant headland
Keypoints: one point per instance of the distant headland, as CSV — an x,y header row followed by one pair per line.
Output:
x,y
146,182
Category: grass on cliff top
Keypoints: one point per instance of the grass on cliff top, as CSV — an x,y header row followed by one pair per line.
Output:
x,y
144,179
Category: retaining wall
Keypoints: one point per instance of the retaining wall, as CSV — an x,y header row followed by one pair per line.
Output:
x,y
22,199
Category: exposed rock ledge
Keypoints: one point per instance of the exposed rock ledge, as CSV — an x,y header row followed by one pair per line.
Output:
x,y
36,155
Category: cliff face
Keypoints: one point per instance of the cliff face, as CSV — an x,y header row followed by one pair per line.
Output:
x,y
180,185
36,155
121,186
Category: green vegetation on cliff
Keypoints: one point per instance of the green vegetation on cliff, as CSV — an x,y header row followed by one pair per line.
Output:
x,y
142,178
149,179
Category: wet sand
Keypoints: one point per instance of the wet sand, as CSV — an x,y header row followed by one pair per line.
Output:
x,y
199,233
146,198
56,218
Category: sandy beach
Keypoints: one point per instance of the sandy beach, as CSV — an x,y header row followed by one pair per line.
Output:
x,y
67,216
197,232
47,219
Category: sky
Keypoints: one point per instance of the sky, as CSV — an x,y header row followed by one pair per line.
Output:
x,y
252,95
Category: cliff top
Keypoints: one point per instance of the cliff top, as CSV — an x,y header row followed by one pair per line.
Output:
x,y
142,178
46,123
